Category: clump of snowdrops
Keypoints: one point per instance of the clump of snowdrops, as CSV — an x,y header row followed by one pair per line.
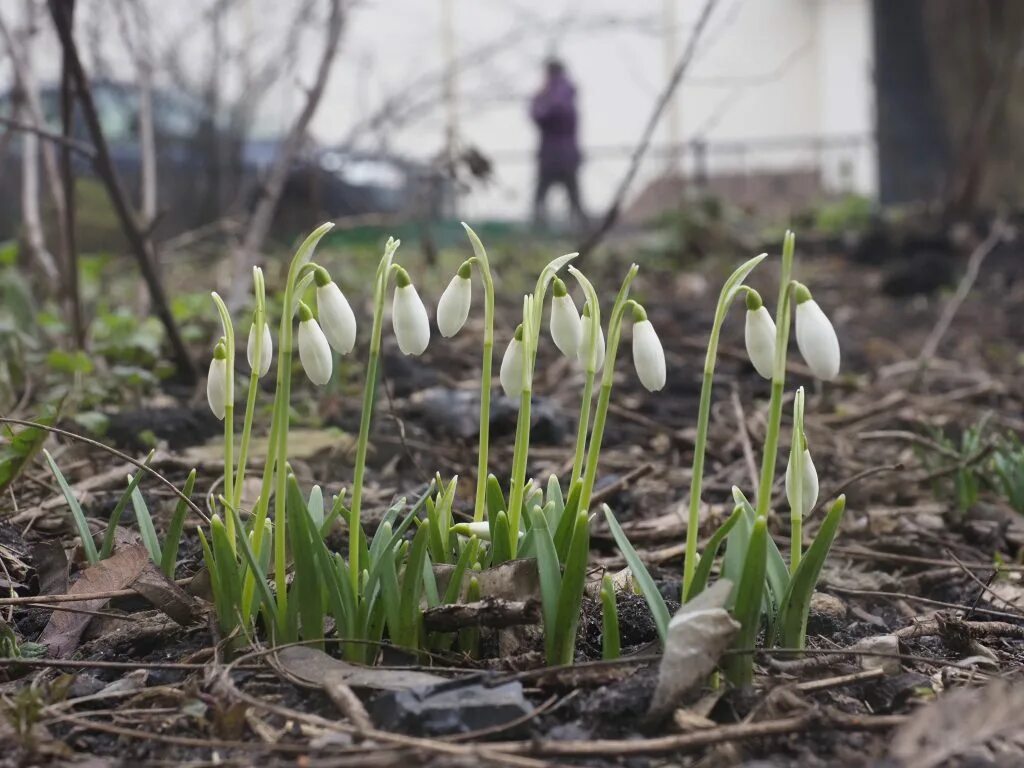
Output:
x,y
381,586
766,589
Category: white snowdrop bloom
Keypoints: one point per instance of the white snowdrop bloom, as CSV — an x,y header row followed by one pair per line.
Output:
x,y
583,353
511,372
809,489
566,326
816,337
648,354
314,350
336,316
409,316
266,350
217,381
453,307
759,335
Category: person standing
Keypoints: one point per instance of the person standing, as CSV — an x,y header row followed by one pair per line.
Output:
x,y
553,110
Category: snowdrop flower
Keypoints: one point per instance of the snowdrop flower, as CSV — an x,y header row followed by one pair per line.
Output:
x,y
759,335
583,353
336,316
809,489
815,336
566,326
217,381
648,354
314,351
409,316
266,350
511,373
453,308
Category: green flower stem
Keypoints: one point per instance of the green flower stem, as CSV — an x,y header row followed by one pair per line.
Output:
x,y
229,410
607,376
782,318
480,259
581,432
796,516
586,402
517,482
259,320
369,393
533,307
730,290
277,448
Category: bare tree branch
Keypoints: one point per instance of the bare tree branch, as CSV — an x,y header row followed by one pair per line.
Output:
x,y
270,193
611,216
138,240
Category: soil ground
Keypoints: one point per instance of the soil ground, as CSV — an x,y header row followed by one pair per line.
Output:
x,y
908,562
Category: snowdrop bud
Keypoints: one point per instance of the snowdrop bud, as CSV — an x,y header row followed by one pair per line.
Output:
x,y
482,530
453,308
511,373
815,336
648,354
583,353
217,381
759,335
314,351
336,316
565,320
266,350
409,316
809,489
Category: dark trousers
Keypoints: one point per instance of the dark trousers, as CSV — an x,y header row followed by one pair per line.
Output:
x,y
565,177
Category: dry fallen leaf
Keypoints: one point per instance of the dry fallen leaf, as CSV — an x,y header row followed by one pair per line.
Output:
x,y
64,629
697,635
969,726
314,667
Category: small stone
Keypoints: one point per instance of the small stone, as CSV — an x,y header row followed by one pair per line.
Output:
x,y
882,644
828,606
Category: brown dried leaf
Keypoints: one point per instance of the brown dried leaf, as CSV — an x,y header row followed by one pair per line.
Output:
x,y
985,725
64,629
697,636
314,667
164,594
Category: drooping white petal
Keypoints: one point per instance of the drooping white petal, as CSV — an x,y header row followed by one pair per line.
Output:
x,y
315,352
511,373
809,489
817,340
453,308
583,353
648,356
566,328
410,321
336,317
759,336
266,350
216,386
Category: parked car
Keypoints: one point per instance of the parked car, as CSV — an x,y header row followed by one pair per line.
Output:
x,y
206,171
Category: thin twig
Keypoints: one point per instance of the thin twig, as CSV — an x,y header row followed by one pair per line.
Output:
x,y
611,216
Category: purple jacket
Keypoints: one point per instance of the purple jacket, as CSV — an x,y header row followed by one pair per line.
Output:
x,y
554,112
